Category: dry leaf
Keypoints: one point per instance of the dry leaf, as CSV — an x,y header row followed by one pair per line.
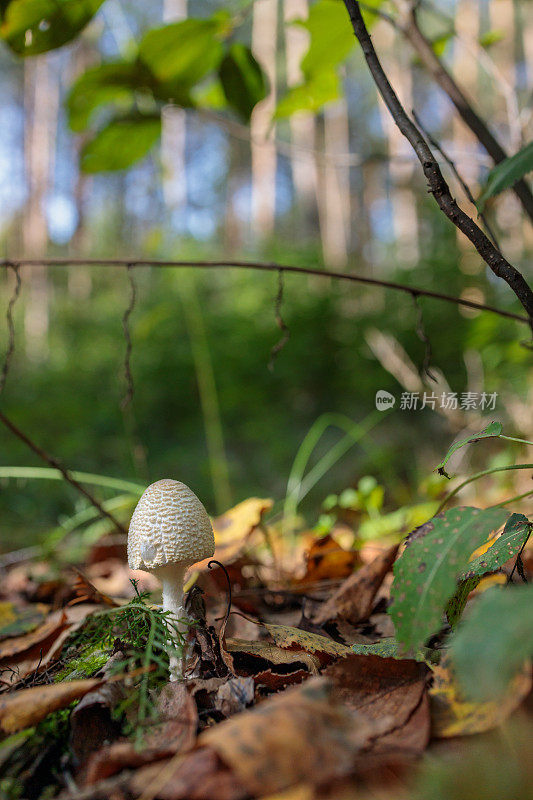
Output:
x,y
27,707
354,598
234,696
452,715
269,652
327,560
43,635
233,528
16,621
386,688
288,637
175,734
199,775
298,735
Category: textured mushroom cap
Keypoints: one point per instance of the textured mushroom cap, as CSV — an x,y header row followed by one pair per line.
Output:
x,y
169,526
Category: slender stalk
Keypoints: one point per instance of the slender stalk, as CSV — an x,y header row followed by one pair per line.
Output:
x,y
476,477
514,439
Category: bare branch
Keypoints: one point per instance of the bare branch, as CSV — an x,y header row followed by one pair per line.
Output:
x,y
437,185
260,266
278,347
408,25
10,326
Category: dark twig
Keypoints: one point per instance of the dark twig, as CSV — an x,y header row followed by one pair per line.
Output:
x,y
437,184
52,462
128,397
280,323
465,187
424,338
228,605
10,325
115,263
407,23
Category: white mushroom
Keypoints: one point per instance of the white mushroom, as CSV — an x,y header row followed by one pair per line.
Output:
x,y
170,530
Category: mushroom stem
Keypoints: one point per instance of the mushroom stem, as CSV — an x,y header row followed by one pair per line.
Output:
x,y
171,577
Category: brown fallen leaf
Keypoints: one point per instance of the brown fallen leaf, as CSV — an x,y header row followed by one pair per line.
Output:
x,y
327,560
233,528
200,775
298,735
234,696
295,638
452,715
86,592
27,707
354,598
176,733
275,655
386,688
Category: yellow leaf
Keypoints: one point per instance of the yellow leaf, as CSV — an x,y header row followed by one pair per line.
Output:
x,y
286,637
452,715
234,527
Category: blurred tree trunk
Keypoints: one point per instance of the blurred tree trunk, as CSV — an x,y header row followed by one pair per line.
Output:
x,y
41,99
302,125
334,190
264,161
173,137
401,167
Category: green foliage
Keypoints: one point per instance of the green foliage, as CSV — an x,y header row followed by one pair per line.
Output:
x,y
493,641
507,173
492,430
516,531
426,572
243,81
120,143
387,648
456,605
111,84
146,636
184,52
31,27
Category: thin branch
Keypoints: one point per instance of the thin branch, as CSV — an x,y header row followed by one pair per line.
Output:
x,y
278,347
437,184
424,338
408,25
268,267
128,397
52,462
10,326
465,187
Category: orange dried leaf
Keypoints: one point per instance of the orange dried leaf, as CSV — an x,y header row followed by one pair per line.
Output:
x,y
27,707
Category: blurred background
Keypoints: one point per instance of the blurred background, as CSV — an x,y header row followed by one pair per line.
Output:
x,y
336,190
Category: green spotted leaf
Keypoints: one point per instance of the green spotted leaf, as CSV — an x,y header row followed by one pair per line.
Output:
x,y
426,573
516,531
456,605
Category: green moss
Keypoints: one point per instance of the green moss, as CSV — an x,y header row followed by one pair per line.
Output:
x,y
84,664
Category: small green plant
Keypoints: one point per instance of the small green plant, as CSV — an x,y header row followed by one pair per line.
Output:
x,y
142,637
439,567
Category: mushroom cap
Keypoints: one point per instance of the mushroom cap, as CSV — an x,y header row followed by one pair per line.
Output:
x,y
169,526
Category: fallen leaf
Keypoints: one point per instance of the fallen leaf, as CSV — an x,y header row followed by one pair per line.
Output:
x,y
27,707
298,735
270,652
386,689
16,621
86,592
176,733
199,775
288,637
44,633
327,560
234,695
452,715
233,528
354,598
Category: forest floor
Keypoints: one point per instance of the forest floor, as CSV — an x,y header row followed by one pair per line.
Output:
x,y
294,685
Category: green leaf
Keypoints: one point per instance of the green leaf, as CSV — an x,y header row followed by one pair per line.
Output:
x,y
108,84
184,52
516,531
491,431
456,605
425,575
244,82
491,37
311,95
331,36
389,648
122,142
35,26
493,641
507,173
